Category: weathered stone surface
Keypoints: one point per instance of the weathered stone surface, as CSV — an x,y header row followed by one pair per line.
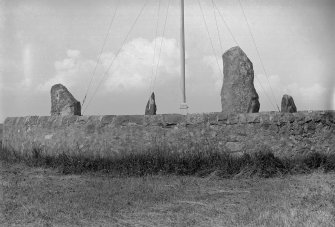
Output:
x,y
287,104
234,146
151,107
63,102
238,94
173,119
286,134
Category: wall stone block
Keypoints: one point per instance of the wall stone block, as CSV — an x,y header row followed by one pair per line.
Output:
x,y
287,134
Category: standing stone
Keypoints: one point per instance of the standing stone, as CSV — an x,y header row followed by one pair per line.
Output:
x,y
63,102
254,105
238,94
151,107
287,104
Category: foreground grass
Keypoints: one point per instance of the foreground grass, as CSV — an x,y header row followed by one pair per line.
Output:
x,y
166,188
32,196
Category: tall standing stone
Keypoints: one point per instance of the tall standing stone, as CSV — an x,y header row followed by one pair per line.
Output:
x,y
238,94
63,102
151,107
287,104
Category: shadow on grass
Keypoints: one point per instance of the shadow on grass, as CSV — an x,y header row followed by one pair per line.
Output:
x,y
203,163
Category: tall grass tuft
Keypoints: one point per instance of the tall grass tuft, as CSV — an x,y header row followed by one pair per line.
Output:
x,y
264,164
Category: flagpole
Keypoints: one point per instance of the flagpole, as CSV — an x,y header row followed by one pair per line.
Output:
x,y
183,105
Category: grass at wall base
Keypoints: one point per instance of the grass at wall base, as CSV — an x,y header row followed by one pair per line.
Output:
x,y
262,163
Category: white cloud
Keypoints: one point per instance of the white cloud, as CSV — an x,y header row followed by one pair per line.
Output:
x,y
313,93
71,71
73,53
24,67
27,60
216,66
2,18
306,97
133,69
135,66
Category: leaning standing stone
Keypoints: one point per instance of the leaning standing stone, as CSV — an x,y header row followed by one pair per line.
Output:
x,y
238,94
63,102
151,107
287,104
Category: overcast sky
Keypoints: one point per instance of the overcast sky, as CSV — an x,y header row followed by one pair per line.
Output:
x,y
48,42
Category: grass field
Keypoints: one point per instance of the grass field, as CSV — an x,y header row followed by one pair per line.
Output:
x,y
33,196
165,188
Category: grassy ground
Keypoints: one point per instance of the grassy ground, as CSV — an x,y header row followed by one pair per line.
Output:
x,y
32,196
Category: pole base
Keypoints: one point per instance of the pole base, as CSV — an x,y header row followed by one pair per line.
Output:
x,y
184,108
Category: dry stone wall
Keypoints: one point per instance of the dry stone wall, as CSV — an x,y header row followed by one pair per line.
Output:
x,y
287,134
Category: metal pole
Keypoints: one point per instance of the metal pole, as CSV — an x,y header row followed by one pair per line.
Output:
x,y
183,105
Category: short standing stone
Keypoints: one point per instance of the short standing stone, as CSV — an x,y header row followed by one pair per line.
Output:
x,y
151,107
254,105
287,104
238,94
63,102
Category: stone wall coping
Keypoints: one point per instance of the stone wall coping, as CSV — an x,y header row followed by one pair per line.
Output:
x,y
171,120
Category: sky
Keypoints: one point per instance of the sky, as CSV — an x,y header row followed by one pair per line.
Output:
x,y
43,43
